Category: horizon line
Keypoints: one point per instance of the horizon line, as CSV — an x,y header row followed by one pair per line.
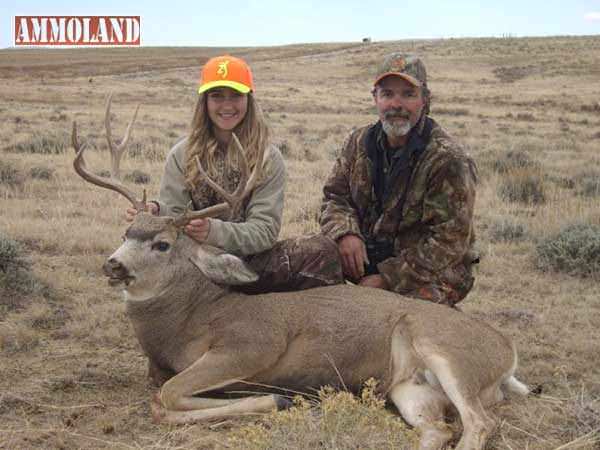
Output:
x,y
372,41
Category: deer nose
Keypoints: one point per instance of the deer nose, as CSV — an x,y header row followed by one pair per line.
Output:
x,y
112,267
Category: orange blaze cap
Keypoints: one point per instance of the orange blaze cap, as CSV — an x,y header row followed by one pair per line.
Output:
x,y
226,71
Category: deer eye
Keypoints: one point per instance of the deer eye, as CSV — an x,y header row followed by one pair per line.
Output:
x,y
161,246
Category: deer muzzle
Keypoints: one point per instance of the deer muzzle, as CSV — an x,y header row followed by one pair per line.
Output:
x,y
116,272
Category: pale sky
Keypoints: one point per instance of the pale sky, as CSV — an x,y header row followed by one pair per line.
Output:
x,y
272,22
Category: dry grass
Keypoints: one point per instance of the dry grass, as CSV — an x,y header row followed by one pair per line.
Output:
x,y
330,421
73,375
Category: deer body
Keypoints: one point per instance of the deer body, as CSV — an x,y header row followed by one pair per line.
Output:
x,y
339,335
201,336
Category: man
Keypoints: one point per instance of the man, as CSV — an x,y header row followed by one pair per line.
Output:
x,y
399,201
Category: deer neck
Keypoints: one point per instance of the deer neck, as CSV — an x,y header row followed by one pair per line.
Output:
x,y
162,322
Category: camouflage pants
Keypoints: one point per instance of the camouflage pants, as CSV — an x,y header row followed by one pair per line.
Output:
x,y
442,290
295,264
444,294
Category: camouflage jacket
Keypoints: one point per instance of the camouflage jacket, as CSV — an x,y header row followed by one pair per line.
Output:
x,y
432,232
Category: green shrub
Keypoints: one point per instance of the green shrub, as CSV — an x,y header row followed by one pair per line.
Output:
x,y
59,117
574,250
152,148
17,338
297,129
513,159
507,230
16,279
587,184
138,177
284,148
135,176
510,74
104,173
43,144
10,176
310,155
11,255
523,186
41,173
525,117
565,182
450,111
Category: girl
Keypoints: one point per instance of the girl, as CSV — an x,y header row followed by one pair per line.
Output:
x,y
226,105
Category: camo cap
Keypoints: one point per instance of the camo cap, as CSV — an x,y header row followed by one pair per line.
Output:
x,y
407,66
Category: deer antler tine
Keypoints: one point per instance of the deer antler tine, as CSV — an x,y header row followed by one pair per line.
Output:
x,y
107,121
117,150
226,195
235,196
79,148
115,155
244,166
212,211
232,201
128,130
255,175
114,183
74,138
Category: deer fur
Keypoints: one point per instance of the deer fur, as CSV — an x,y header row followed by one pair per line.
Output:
x,y
201,336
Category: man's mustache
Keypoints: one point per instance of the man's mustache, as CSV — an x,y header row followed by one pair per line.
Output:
x,y
396,113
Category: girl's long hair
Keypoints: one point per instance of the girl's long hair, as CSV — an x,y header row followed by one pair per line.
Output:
x,y
252,132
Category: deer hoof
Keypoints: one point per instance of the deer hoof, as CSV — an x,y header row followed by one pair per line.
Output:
x,y
158,412
283,403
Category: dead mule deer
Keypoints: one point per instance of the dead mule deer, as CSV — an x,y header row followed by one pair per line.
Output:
x,y
200,336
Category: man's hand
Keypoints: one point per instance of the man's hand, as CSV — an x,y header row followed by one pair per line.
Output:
x,y
375,281
198,229
354,255
151,207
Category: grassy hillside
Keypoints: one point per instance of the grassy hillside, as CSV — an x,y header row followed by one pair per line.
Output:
x,y
72,373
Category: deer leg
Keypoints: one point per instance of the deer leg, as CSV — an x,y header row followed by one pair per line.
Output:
x,y
240,407
199,402
422,405
477,424
177,402
424,408
157,375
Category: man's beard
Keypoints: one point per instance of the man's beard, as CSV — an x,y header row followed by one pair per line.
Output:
x,y
393,128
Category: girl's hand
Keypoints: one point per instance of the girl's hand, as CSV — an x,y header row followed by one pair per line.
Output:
x,y
198,229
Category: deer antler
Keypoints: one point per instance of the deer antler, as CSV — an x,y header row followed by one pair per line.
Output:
x,y
116,152
233,200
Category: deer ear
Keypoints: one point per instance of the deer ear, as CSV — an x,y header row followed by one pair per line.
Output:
x,y
223,268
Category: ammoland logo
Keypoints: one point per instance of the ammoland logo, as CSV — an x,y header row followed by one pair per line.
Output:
x,y
77,30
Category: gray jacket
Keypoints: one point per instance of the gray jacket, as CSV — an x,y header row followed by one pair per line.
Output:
x,y
262,214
